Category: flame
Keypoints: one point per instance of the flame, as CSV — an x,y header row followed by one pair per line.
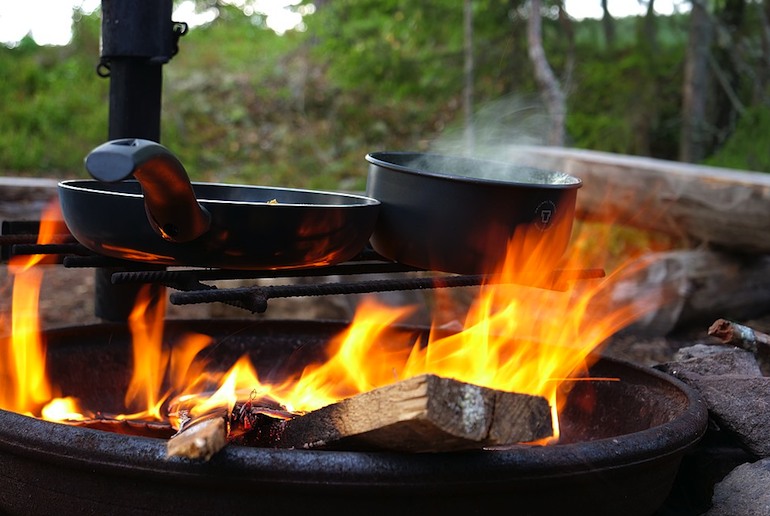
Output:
x,y
524,332
515,337
23,354
64,409
149,358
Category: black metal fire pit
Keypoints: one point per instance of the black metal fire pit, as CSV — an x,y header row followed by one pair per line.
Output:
x,y
621,447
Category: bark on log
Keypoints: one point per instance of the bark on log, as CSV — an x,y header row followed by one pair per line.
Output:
x,y
746,338
426,413
726,208
739,335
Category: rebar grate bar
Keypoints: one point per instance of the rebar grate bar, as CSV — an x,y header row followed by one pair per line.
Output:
x,y
255,298
171,277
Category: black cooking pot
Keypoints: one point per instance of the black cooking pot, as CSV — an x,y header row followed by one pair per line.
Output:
x,y
163,218
457,214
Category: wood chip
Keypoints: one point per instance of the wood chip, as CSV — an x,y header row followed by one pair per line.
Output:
x,y
200,441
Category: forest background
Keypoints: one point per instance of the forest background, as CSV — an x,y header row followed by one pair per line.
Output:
x,y
243,104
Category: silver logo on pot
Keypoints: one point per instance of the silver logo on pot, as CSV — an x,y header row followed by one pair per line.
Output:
x,y
545,214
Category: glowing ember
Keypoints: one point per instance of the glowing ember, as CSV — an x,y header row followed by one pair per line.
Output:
x,y
513,338
64,409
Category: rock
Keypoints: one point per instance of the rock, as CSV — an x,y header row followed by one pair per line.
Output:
x,y
740,405
712,360
743,492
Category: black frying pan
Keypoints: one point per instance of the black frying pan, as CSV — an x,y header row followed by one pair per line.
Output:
x,y
162,217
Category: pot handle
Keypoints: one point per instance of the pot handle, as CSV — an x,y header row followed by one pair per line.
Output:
x,y
172,209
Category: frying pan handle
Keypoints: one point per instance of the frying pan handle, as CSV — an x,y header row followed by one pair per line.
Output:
x,y
169,200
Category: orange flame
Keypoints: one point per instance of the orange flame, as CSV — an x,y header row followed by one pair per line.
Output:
x,y
517,335
150,359
23,354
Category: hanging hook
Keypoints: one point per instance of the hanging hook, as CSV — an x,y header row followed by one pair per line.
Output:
x,y
103,68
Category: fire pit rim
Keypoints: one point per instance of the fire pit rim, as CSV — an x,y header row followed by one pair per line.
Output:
x,y
122,452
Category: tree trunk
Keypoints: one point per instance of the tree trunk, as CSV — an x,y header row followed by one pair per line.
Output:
x,y
565,22
608,24
555,101
469,131
695,132
651,27
763,71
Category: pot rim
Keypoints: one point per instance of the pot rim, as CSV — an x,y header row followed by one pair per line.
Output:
x,y
383,159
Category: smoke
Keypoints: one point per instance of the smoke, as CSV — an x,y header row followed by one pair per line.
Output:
x,y
487,148
497,127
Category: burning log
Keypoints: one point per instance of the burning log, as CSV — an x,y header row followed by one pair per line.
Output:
x,y
200,440
426,413
202,437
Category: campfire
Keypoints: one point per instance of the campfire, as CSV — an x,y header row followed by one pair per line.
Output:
x,y
506,402
516,349
517,387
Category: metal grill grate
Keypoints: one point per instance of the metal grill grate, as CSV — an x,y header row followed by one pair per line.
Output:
x,y
193,284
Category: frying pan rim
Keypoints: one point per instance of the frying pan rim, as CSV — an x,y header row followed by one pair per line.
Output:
x,y
357,200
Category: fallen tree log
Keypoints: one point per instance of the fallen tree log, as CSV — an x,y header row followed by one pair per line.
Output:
x,y
726,208
693,287
426,413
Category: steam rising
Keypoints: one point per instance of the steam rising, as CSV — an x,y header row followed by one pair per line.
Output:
x,y
487,170
498,127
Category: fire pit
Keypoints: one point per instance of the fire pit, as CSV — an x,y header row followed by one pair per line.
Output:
x,y
623,436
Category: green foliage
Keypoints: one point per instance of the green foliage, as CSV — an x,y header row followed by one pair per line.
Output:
x,y
242,104
397,49
626,100
53,104
747,147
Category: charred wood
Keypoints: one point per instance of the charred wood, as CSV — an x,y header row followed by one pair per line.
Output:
x,y
744,337
739,335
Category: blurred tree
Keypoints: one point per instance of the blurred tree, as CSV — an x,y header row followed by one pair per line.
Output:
x,y
608,24
550,89
650,33
694,136
468,75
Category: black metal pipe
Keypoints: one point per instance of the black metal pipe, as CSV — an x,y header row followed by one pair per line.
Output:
x,y
137,39
135,99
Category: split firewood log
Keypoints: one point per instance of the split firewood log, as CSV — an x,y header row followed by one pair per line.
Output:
x,y
426,413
